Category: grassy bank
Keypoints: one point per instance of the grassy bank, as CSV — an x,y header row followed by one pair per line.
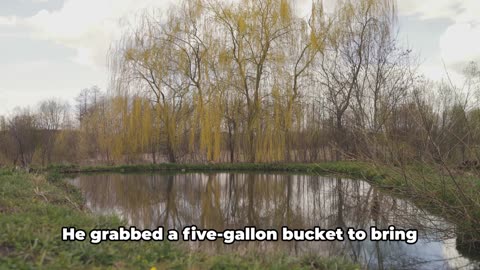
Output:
x,y
352,169
33,210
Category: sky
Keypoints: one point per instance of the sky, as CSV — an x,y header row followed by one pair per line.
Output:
x,y
55,48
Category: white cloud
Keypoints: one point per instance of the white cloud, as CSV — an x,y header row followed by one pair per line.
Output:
x,y
8,21
88,26
455,10
24,83
461,43
430,9
439,73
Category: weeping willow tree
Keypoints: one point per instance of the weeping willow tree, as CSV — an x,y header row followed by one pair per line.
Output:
x,y
253,31
144,65
212,77
172,63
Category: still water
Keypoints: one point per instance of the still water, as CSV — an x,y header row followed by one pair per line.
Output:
x,y
269,201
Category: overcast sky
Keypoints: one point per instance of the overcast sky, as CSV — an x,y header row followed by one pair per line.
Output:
x,y
55,48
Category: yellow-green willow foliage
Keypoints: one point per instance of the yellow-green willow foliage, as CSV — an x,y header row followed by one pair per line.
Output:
x,y
138,126
253,31
117,129
134,132
209,120
217,78
271,146
198,51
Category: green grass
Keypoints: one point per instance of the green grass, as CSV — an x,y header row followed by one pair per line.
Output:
x,y
33,210
354,169
453,195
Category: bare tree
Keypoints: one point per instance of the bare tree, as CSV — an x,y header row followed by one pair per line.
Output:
x,y
23,128
51,116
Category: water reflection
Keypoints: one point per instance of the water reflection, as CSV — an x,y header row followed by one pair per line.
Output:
x,y
269,201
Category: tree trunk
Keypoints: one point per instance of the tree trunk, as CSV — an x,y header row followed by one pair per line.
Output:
x,y
339,138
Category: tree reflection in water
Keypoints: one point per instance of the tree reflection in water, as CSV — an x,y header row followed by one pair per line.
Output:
x,y
269,201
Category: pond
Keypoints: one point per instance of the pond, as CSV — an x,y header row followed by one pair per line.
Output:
x,y
269,201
